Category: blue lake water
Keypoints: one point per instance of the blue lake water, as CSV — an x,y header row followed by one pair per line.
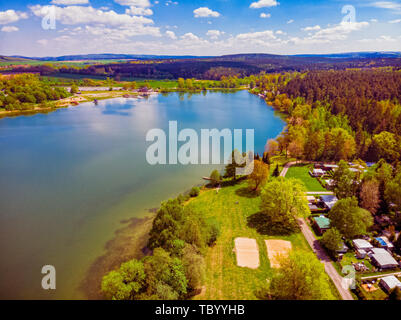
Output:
x,y
69,177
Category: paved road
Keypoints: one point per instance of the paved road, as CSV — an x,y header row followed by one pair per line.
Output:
x,y
319,251
324,258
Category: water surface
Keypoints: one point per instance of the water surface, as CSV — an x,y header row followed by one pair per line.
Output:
x,y
68,178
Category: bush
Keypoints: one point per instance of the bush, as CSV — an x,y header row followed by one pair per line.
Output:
x,y
194,192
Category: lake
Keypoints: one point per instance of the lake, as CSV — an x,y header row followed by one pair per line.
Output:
x,y
69,178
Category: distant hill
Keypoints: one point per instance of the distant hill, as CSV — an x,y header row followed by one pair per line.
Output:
x,y
106,56
12,59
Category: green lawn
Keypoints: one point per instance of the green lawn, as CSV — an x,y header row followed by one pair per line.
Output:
x,y
231,207
301,172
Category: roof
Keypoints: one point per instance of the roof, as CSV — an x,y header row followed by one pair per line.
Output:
x,y
322,222
391,282
331,166
318,171
329,200
384,259
310,198
381,241
361,244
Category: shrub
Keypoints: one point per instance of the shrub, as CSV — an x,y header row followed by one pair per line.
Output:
x,y
194,192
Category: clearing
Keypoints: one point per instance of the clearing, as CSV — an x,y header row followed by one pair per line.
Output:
x,y
301,172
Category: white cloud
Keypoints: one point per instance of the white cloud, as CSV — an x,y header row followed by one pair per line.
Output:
x,y
340,31
10,16
280,32
290,21
88,15
386,5
9,29
260,35
265,15
69,2
139,11
190,36
381,39
374,20
43,42
263,4
134,3
205,12
171,2
314,28
171,35
395,21
214,34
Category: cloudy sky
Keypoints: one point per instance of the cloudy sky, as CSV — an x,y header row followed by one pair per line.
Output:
x,y
181,27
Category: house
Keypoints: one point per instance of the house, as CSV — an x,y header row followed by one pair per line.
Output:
x,y
343,249
382,259
329,183
316,173
321,224
389,283
385,243
328,167
360,244
329,201
311,199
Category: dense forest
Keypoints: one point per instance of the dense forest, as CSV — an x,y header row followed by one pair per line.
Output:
x,y
334,115
23,92
213,68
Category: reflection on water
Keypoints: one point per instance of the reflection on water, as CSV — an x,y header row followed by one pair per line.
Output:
x,y
69,178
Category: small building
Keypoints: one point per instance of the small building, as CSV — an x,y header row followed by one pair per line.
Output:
x,y
329,182
311,199
385,243
317,173
321,224
382,259
361,244
343,249
329,167
329,201
389,283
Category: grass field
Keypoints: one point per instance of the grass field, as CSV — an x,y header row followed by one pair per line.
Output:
x,y
302,172
231,207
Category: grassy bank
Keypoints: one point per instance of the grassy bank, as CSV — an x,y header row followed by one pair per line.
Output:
x,y
233,206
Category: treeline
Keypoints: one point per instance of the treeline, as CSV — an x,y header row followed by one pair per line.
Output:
x,y
336,115
178,240
22,92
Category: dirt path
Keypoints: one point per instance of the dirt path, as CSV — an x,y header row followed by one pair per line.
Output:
x,y
319,251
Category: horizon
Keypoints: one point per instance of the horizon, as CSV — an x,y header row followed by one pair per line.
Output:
x,y
198,28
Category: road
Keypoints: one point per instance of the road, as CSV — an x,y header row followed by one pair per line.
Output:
x,y
318,249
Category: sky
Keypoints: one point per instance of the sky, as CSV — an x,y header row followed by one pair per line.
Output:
x,y
179,27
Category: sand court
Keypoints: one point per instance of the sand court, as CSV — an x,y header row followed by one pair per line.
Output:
x,y
247,252
277,248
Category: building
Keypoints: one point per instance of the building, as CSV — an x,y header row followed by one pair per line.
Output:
x,y
329,167
317,173
321,224
360,244
382,259
329,201
385,243
389,283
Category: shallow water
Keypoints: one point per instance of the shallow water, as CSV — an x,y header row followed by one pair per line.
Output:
x,y
69,178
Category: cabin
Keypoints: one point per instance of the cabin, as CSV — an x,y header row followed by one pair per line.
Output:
x,y
382,259
385,243
321,224
317,173
389,283
329,201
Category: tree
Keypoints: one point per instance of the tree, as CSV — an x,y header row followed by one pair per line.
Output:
x,y
194,266
397,244
259,175
386,146
395,294
74,89
370,196
124,283
271,147
194,192
392,193
215,177
231,167
300,277
282,201
276,171
331,240
343,181
350,219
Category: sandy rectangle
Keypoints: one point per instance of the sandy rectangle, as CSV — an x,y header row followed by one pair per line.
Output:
x,y
247,252
277,248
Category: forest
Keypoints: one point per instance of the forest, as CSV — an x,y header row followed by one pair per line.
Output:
x,y
335,115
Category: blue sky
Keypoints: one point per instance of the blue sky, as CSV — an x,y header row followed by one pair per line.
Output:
x,y
198,27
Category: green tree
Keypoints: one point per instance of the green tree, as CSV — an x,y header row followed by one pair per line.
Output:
x,y
74,89
282,201
215,177
259,175
350,219
343,181
386,146
194,266
392,193
395,294
331,240
300,277
231,167
124,283
276,171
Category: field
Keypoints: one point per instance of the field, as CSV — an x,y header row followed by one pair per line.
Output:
x,y
302,172
232,206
